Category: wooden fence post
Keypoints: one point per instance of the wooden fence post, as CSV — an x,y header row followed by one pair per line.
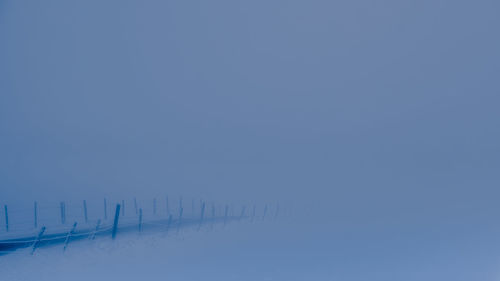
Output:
x,y
6,218
63,212
225,214
140,220
202,214
115,222
192,208
168,209
180,203
37,240
277,211
105,210
68,236
181,210
169,223
265,212
213,216
85,211
35,209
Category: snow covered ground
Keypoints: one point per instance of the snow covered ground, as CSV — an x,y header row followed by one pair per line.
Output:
x,y
239,251
290,248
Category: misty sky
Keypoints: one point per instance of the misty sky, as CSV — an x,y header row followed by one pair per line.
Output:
x,y
384,113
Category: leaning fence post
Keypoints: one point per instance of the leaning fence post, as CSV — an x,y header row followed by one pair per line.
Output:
x,y
6,218
115,222
37,240
69,236
35,209
242,213
140,220
85,211
92,236
105,210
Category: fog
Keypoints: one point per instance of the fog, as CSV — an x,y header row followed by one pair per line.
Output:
x,y
374,125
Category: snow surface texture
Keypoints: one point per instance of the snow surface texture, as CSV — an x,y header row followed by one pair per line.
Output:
x,y
291,248
234,252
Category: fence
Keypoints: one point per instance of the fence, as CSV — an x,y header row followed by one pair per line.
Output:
x,y
82,222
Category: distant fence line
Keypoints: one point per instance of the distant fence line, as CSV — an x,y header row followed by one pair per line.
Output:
x,y
81,213
52,233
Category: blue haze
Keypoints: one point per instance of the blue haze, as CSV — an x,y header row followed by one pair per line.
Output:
x,y
379,118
